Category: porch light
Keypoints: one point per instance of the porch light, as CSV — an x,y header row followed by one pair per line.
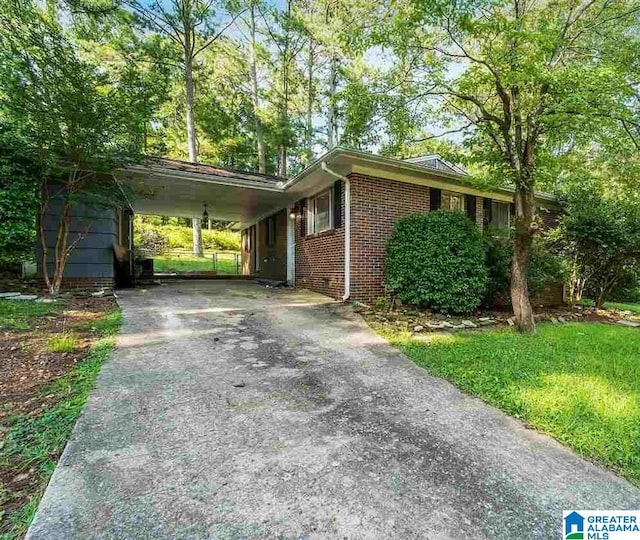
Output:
x,y
205,214
292,215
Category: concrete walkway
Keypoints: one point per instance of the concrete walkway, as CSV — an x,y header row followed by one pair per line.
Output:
x,y
231,411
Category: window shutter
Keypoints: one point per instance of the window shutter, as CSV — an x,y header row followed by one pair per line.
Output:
x,y
337,204
512,208
470,204
302,205
486,211
435,196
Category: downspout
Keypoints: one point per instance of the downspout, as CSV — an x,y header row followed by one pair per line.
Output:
x,y
347,229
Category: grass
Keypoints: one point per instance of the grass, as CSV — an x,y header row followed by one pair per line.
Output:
x,y
17,314
620,306
63,342
578,382
188,263
623,306
36,442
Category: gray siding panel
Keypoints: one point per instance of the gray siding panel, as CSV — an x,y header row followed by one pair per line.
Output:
x,y
93,257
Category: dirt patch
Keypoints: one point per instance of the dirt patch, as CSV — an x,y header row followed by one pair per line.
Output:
x,y
27,367
27,363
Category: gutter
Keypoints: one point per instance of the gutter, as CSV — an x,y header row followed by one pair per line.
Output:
x,y
347,228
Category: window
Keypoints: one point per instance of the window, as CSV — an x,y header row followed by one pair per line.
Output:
x,y
271,231
500,214
452,201
319,213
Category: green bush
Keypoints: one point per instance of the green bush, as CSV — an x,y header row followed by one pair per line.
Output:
x,y
436,260
545,268
19,177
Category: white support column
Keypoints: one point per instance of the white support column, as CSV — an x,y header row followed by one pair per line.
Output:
x,y
291,248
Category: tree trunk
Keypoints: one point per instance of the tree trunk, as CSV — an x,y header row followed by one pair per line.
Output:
x,y
191,133
255,99
524,225
310,102
197,238
189,91
332,122
601,299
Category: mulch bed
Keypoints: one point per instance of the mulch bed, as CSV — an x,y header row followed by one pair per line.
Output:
x,y
425,321
26,367
26,364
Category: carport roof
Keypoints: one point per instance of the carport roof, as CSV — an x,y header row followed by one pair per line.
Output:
x,y
158,163
178,188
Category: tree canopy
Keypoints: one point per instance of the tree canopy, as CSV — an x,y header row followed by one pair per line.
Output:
x,y
540,94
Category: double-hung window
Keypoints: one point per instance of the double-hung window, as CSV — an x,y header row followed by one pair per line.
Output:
x,y
500,215
320,212
452,201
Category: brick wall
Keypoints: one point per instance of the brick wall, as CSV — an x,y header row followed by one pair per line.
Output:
x,y
320,257
85,283
376,204
548,217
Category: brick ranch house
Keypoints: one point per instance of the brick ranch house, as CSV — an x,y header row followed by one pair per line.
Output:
x,y
332,238
324,229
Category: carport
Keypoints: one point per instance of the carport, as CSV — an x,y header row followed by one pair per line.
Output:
x,y
182,189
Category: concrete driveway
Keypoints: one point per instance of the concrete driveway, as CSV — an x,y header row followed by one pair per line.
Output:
x,y
233,411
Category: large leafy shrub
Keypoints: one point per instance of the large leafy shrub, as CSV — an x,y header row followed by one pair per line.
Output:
x,y
436,260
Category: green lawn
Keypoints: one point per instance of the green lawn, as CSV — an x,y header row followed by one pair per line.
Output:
x,y
188,263
579,382
622,306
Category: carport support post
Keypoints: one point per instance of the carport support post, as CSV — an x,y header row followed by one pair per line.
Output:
x,y
291,248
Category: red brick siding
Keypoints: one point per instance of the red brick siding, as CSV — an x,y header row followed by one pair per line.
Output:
x,y
320,258
480,212
86,283
376,204
549,217
552,295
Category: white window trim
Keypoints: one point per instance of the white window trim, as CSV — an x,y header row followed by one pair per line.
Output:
x,y
311,216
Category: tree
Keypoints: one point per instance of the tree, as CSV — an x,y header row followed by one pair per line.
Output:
x,y
192,26
518,79
18,195
76,120
599,237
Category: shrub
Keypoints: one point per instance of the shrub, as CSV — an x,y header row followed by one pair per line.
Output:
x,y
599,234
436,260
545,268
152,239
161,237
